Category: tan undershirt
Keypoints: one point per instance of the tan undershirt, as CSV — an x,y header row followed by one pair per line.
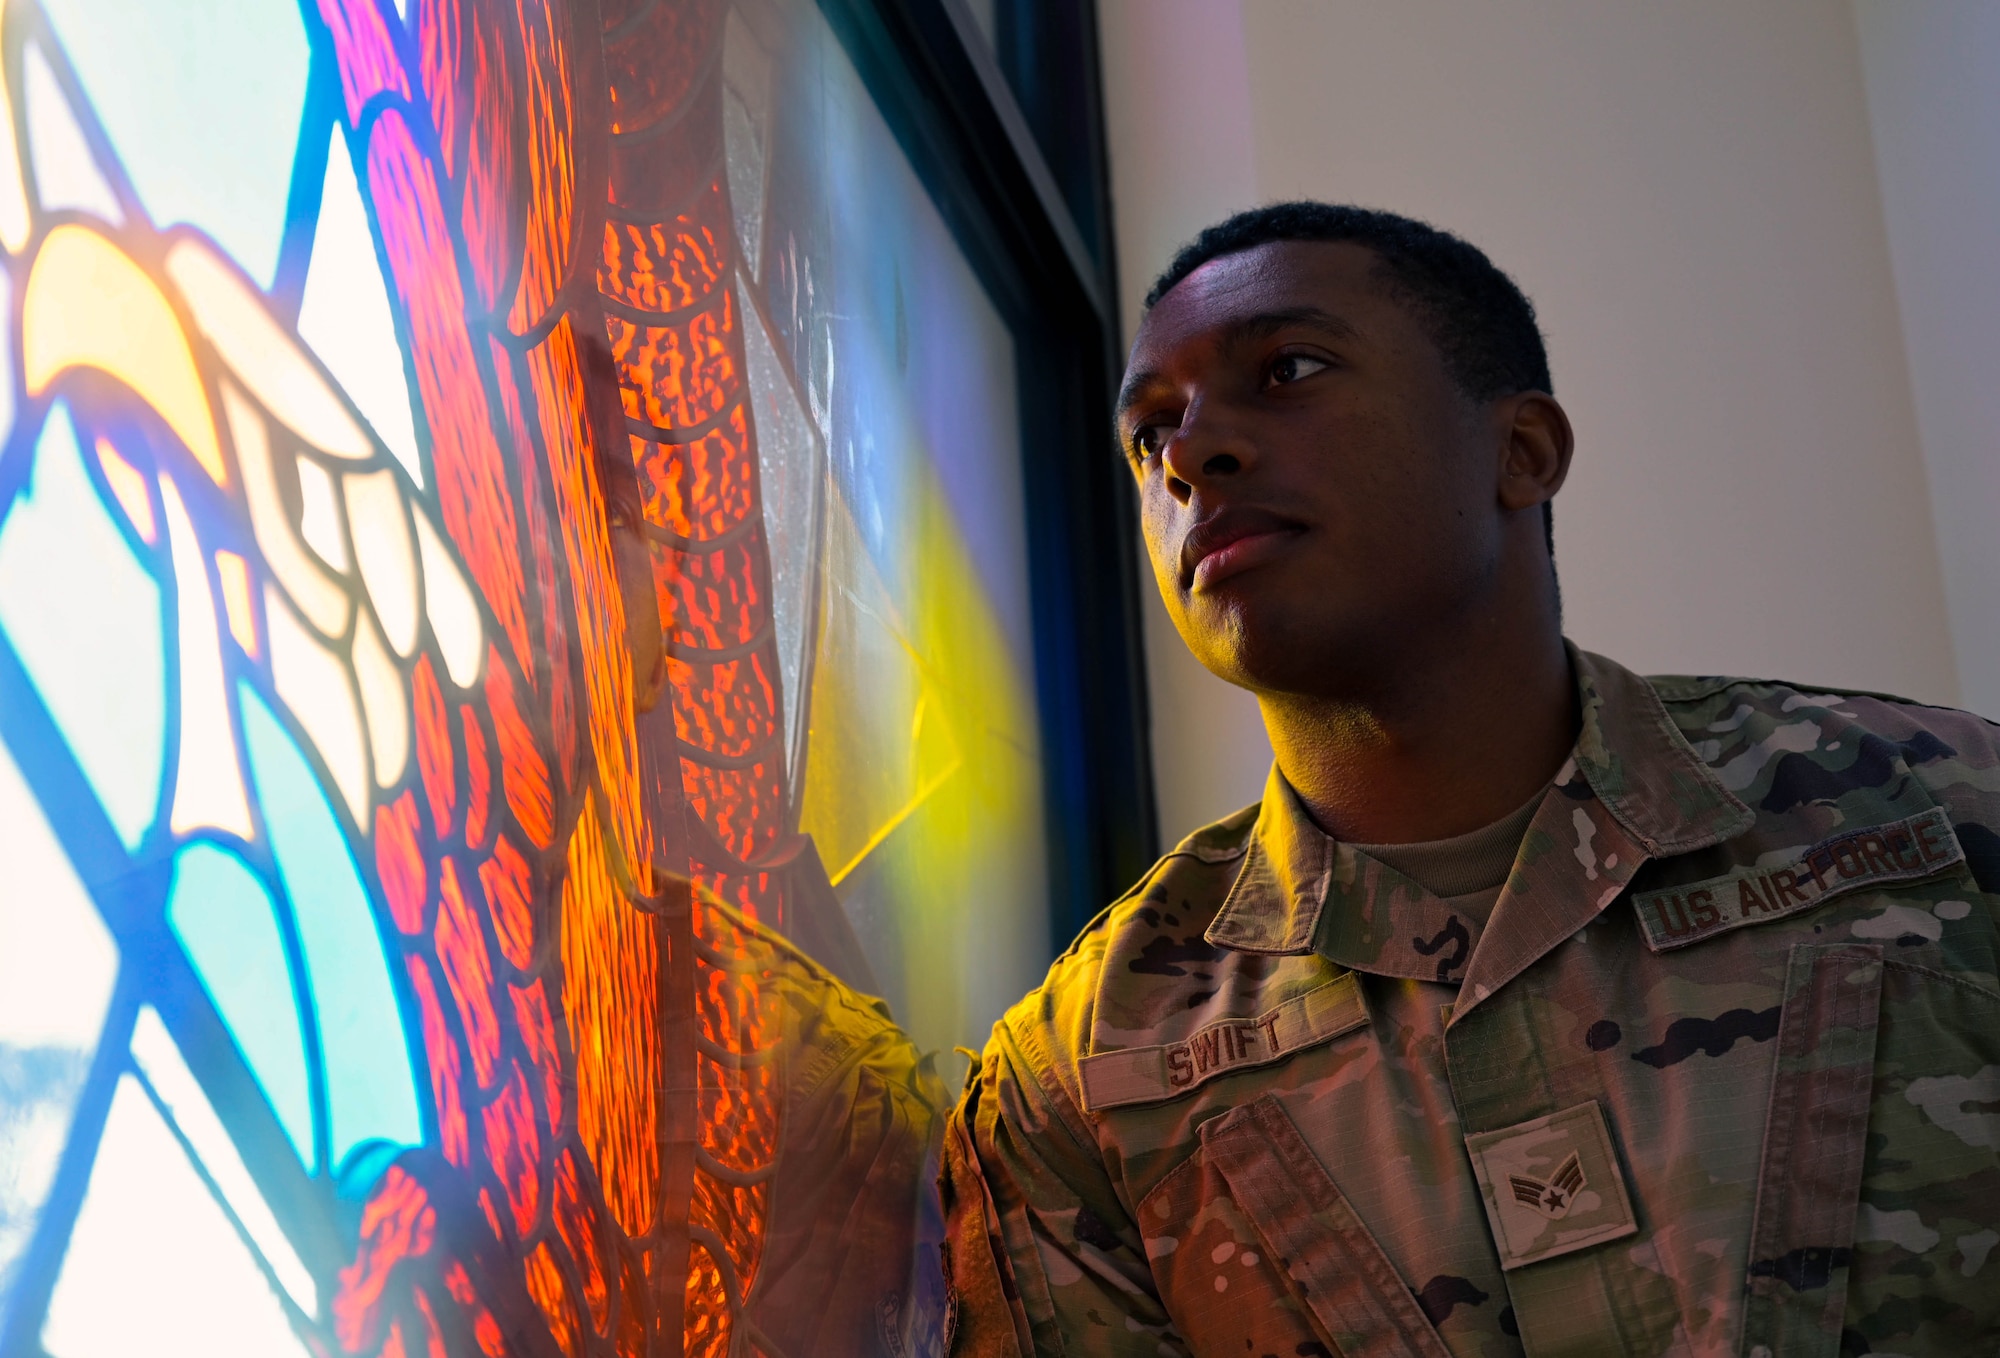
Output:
x,y
1467,871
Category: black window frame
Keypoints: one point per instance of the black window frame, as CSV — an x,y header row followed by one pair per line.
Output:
x,y
975,122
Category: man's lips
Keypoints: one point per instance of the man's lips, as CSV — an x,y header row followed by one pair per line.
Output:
x,y
1232,541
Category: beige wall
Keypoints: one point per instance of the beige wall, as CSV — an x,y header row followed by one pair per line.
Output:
x,y
1689,193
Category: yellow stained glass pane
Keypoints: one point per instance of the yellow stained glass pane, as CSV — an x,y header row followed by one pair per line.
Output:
x,y
272,364
87,305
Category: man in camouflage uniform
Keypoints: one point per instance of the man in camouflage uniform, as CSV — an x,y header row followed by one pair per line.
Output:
x,y
1709,1064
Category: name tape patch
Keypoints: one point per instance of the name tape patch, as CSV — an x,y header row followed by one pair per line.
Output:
x,y
1143,1074
1900,851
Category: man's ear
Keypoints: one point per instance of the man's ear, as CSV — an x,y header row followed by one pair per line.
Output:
x,y
1536,443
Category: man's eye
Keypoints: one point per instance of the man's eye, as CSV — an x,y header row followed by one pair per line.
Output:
x,y
1148,439
1292,367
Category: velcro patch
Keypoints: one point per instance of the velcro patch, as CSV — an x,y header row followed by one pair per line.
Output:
x,y
1551,1185
1143,1074
1900,851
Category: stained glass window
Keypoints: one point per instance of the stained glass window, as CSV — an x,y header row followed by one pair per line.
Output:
x,y
515,627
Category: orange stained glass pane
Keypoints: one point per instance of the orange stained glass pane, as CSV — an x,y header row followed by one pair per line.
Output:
x,y
538,1034
468,971
399,862
546,1286
234,574
524,773
577,1224
128,487
434,760
447,1071
514,1149
474,481
556,373
87,305
397,1223
610,955
549,120
507,881
478,777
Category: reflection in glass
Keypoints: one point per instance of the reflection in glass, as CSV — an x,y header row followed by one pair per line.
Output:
x,y
514,617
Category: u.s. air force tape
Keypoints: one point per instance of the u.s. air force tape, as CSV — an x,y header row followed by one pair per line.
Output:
x,y
1143,1074
1900,851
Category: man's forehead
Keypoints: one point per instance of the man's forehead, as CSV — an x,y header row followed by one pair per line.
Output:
x,y
1334,277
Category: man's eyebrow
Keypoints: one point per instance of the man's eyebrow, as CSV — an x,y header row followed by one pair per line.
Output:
x,y
1261,325
1128,391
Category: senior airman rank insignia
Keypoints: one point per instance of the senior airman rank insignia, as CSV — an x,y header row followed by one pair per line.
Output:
x,y
1905,850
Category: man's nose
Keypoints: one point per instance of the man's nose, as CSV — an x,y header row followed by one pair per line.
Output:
x,y
1209,446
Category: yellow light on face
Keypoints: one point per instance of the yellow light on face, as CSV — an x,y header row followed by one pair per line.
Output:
x,y
88,305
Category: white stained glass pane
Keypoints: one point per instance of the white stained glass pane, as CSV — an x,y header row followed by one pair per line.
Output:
x,y
388,560
209,788
792,482
313,683
345,316
160,1061
449,605
319,518
84,616
57,967
317,593
66,173
154,1265
202,102
385,704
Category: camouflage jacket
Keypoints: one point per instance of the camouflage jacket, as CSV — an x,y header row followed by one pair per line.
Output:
x,y
1720,1073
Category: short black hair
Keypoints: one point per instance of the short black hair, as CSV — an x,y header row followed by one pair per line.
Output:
x,y
1480,320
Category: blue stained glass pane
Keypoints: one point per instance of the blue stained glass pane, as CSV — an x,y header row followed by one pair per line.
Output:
x,y
84,616
225,921
202,103
371,1091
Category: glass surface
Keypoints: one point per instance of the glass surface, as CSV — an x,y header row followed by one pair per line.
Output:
x,y
518,747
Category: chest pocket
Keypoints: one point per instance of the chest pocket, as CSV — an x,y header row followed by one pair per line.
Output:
x,y
1256,1250
1880,1172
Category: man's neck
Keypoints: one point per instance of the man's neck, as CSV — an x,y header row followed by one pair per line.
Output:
x,y
1439,749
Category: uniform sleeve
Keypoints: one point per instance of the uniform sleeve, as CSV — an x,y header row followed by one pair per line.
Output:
x,y
1044,1256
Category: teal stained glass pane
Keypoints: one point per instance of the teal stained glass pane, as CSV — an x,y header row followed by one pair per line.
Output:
x,y
202,103
371,1091
228,926
83,614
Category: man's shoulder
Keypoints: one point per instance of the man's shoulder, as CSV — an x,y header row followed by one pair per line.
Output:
x,y
1816,741
1142,958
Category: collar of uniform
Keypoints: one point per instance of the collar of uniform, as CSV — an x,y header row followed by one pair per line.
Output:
x,y
1639,787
